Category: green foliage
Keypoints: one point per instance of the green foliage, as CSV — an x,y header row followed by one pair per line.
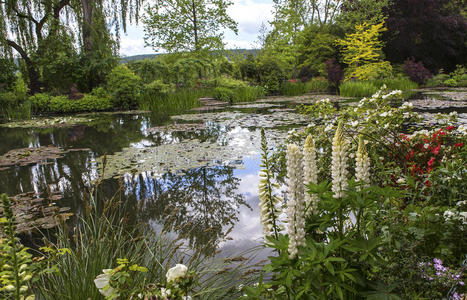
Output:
x,y
61,104
151,69
317,84
158,87
370,71
238,94
40,102
223,94
20,271
14,104
357,89
362,52
174,102
437,80
293,88
124,87
368,88
316,48
7,74
359,11
59,63
178,26
14,258
271,75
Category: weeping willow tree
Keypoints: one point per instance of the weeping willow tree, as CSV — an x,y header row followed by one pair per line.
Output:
x,y
28,27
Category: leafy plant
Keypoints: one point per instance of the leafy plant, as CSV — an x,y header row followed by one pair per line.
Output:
x,y
124,87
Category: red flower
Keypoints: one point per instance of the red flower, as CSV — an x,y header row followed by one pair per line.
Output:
x,y
459,144
427,183
431,161
449,128
436,150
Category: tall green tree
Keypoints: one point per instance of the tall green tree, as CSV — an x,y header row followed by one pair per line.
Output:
x,y
24,26
31,28
187,25
355,12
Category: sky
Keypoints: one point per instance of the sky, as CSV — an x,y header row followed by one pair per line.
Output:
x,y
249,14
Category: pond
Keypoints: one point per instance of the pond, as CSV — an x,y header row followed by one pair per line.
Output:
x,y
194,175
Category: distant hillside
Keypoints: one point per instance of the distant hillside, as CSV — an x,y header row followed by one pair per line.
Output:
x,y
149,56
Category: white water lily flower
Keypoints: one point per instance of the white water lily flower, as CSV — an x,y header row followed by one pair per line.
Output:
x,y
179,271
102,282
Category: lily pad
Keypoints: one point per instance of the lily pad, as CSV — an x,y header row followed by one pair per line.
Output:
x,y
229,118
28,156
33,212
55,122
185,127
229,149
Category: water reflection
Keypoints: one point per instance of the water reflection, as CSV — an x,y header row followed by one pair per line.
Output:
x,y
208,203
198,205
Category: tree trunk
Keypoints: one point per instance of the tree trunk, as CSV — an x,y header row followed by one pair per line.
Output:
x,y
33,74
88,19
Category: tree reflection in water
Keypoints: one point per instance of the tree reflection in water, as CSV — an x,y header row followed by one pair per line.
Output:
x,y
198,205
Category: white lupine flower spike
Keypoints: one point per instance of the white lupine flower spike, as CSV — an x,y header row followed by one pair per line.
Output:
x,y
362,164
339,170
296,203
310,169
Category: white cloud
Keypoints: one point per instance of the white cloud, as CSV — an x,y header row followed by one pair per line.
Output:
x,y
250,14
133,46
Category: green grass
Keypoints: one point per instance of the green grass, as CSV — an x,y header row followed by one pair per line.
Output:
x,y
368,88
105,232
293,88
174,102
357,89
238,94
318,85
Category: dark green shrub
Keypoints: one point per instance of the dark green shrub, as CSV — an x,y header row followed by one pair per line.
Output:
x,y
124,87
40,102
150,69
100,92
437,80
158,87
271,75
317,84
223,94
61,104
